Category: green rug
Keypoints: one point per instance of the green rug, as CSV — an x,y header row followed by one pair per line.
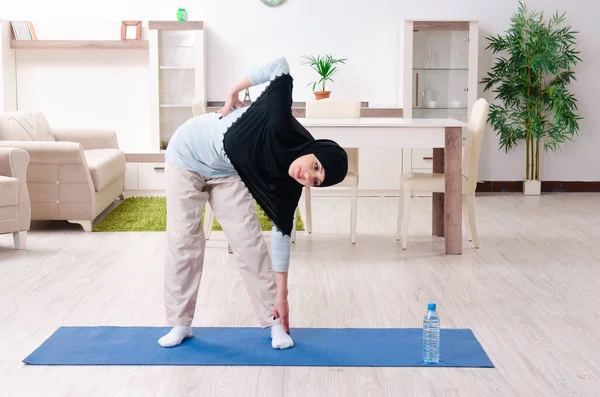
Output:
x,y
149,214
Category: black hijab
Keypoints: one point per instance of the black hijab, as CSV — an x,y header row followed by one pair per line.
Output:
x,y
263,143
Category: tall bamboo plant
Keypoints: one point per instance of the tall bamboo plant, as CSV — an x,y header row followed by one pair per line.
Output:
x,y
531,78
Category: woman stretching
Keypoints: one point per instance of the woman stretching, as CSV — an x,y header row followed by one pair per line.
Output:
x,y
231,158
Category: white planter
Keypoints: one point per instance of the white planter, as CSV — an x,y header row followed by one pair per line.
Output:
x,y
532,187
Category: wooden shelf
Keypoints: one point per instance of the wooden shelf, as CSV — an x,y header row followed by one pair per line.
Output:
x,y
80,44
300,111
441,25
176,25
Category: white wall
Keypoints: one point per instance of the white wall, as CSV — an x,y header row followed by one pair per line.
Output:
x,y
243,33
96,88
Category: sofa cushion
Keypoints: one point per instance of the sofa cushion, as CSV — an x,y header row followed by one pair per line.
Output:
x,y
105,165
9,191
25,126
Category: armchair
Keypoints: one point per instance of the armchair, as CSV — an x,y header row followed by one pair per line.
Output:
x,y
15,211
73,174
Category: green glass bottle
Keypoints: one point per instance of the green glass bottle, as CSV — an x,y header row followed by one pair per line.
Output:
x,y
182,15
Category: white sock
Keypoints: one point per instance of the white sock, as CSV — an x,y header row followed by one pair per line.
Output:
x,y
279,338
176,336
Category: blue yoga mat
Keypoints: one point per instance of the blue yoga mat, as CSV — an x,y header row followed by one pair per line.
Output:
x,y
337,347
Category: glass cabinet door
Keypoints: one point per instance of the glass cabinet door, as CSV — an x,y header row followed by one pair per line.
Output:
x,y
176,79
440,74
177,76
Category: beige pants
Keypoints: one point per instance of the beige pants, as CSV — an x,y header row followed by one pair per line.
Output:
x,y
234,207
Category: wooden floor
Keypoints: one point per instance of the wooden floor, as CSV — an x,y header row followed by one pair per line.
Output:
x,y
530,294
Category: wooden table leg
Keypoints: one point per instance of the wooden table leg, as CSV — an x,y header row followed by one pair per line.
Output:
x,y
453,196
437,202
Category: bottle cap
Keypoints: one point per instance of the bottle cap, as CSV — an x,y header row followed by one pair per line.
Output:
x,y
431,306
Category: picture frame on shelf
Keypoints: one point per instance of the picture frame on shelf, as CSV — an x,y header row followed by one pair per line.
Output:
x,y
127,27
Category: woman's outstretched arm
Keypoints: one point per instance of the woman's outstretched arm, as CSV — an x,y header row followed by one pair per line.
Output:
x,y
280,256
256,76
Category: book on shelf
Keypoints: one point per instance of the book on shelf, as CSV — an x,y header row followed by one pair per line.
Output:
x,y
23,30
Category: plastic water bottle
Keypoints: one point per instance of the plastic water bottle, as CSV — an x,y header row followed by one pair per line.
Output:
x,y
431,335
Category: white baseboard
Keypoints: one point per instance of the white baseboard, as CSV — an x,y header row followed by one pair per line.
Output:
x,y
138,193
316,192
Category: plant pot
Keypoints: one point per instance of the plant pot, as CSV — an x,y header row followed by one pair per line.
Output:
x,y
322,94
532,187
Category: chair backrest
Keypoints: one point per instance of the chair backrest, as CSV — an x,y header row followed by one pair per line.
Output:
x,y
337,108
472,149
198,108
333,108
24,126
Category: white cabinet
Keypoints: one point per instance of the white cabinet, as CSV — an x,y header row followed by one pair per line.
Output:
x,y
145,177
151,176
439,65
177,76
422,158
439,61
131,176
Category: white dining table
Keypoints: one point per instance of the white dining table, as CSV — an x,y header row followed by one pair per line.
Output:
x,y
443,135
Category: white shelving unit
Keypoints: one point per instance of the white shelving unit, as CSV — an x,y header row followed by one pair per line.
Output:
x,y
439,62
177,76
8,73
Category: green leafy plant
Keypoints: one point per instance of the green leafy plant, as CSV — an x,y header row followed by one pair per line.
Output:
x,y
531,79
325,66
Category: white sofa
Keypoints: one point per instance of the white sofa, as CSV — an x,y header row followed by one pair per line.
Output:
x,y
73,174
15,210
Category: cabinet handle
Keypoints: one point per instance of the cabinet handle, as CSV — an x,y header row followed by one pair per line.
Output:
x,y
417,91
159,168
427,158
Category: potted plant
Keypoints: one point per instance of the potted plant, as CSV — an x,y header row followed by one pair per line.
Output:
x,y
531,78
325,66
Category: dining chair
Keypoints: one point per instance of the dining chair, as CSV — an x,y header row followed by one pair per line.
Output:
x,y
436,183
337,108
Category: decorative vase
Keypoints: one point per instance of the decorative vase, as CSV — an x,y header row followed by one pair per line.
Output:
x,y
322,94
182,15
532,187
